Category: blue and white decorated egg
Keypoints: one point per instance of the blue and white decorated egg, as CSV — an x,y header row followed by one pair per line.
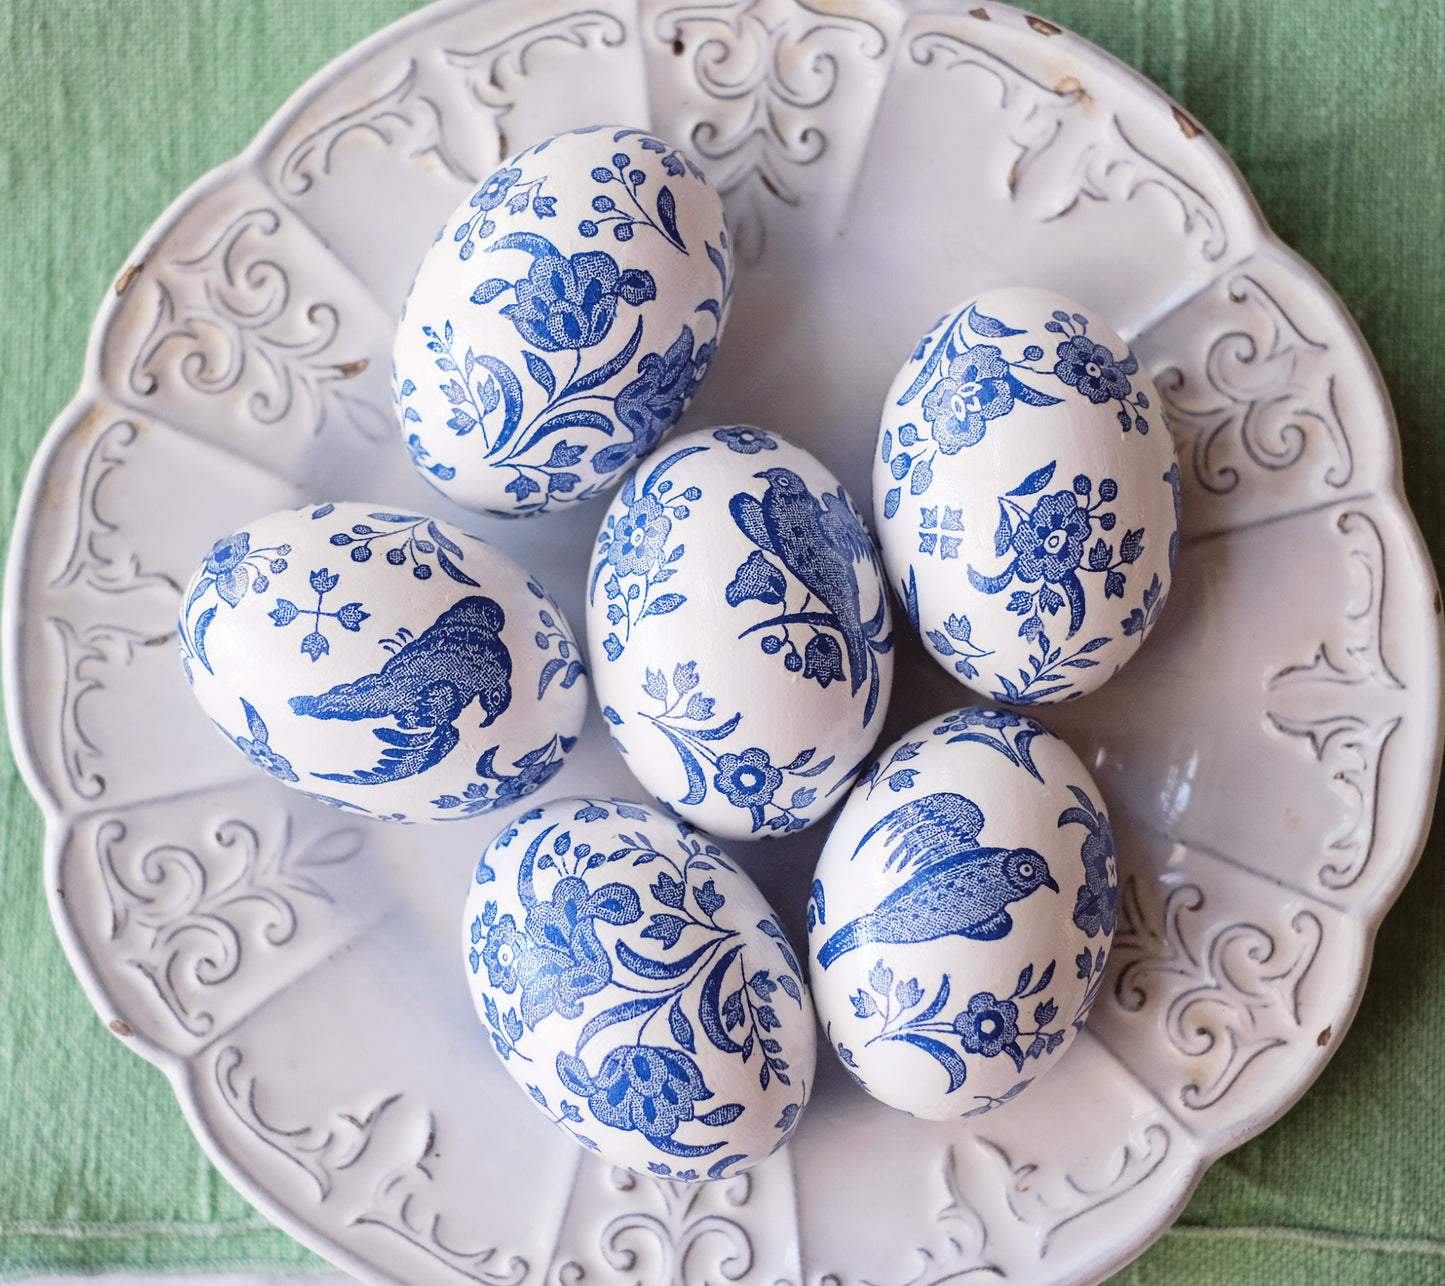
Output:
x,y
961,914
739,632
562,321
1027,496
639,988
386,663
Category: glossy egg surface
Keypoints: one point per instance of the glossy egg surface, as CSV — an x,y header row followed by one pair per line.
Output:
x,y
562,320
962,912
639,988
739,632
1027,496
387,663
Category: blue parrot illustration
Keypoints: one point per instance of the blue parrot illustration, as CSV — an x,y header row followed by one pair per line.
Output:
x,y
958,888
424,686
819,543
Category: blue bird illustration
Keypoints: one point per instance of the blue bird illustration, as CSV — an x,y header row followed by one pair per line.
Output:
x,y
820,543
958,888
424,687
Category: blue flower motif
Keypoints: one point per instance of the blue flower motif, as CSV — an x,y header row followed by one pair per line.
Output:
x,y
1049,544
257,747
569,303
652,403
976,389
568,961
988,1026
227,563
1094,370
505,948
745,440
749,780
823,659
494,191
640,535
646,1088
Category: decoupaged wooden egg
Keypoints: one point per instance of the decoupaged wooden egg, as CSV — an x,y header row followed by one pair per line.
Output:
x,y
562,320
639,987
383,662
1027,496
739,632
962,913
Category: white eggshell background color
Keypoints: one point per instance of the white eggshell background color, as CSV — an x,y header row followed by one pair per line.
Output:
x,y
739,632
640,988
948,970
385,662
562,320
1027,496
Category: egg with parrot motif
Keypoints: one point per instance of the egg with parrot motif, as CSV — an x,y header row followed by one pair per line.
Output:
x,y
961,913
639,988
1027,496
739,632
387,663
562,321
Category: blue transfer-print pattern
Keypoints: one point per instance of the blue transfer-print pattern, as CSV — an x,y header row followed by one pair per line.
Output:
x,y
958,888
495,789
232,570
257,747
1005,731
405,540
315,643
422,689
1141,619
697,983
747,779
632,555
819,545
1096,905
500,187
433,470
744,439
987,1026
625,214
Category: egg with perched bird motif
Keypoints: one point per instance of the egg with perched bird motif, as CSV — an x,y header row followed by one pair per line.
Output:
x,y
961,913
386,663
739,632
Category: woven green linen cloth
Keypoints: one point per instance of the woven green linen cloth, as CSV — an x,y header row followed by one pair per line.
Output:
x,y
109,110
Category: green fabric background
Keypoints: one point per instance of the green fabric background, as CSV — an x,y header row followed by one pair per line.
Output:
x,y
109,109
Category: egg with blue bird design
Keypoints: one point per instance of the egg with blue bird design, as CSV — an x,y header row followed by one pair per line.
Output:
x,y
961,913
1027,495
639,989
562,320
383,662
739,632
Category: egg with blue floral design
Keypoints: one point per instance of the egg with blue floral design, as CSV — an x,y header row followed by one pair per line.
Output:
x,y
386,663
639,988
739,632
961,914
1027,495
562,320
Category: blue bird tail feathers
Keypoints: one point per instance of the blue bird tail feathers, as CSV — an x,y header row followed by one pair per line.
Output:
x,y
851,936
369,697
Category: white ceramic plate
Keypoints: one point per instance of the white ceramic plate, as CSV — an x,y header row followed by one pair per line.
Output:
x,y
1270,755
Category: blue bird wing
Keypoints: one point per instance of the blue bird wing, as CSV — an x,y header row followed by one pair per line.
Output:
x,y
999,925
843,529
369,697
406,754
927,830
747,512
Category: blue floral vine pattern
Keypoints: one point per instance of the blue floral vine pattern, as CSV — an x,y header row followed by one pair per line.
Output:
x,y
232,570
632,552
421,458
1005,731
987,1026
748,779
818,544
405,540
495,789
1096,904
630,181
257,747
501,187
698,981
971,383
